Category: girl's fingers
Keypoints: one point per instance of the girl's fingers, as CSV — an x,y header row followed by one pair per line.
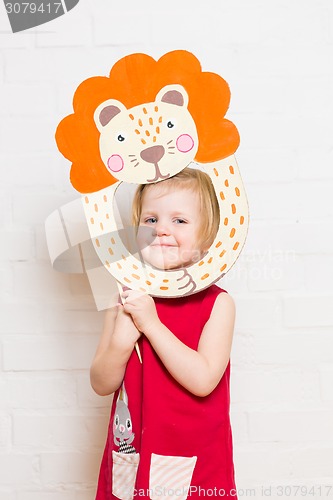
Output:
x,y
132,294
128,309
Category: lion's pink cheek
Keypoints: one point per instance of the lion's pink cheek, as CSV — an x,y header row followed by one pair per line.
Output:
x,y
115,163
185,143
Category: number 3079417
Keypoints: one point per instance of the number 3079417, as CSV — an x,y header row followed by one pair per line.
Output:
x,y
32,8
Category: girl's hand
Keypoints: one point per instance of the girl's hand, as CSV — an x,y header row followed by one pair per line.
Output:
x,y
125,332
142,309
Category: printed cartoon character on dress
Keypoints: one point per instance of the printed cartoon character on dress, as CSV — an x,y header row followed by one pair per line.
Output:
x,y
126,460
139,140
123,434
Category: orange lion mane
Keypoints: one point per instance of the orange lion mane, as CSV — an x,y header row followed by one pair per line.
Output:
x,y
133,80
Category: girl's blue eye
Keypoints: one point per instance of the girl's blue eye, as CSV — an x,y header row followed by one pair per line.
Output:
x,y
151,220
180,221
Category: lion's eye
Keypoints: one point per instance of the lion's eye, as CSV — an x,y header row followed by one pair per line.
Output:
x,y
120,138
170,124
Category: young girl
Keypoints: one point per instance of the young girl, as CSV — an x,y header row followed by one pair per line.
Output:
x,y
169,433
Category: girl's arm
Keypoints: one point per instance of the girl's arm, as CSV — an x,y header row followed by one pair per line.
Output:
x,y
198,371
115,347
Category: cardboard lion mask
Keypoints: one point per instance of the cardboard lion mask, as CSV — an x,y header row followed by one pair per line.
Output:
x,y
143,124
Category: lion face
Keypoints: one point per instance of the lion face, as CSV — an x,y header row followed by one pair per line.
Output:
x,y
149,142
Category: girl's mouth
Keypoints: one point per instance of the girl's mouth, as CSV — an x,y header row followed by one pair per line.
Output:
x,y
163,245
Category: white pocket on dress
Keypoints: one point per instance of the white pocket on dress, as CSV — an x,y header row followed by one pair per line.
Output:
x,y
124,470
170,476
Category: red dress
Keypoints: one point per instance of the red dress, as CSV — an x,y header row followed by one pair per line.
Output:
x,y
175,444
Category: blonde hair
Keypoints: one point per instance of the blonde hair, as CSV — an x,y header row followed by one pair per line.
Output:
x,y
197,181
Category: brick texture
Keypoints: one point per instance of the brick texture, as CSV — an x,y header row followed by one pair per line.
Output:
x,y
277,58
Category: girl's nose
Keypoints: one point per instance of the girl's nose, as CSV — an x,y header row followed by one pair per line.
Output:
x,y
162,229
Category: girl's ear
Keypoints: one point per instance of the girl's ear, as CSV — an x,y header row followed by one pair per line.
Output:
x,y
173,94
106,111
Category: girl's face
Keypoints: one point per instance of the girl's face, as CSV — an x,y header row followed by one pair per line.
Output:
x,y
169,228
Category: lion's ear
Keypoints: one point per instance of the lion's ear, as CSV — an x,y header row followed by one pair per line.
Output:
x,y
106,112
173,94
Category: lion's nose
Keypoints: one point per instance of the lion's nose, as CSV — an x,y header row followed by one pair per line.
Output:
x,y
153,154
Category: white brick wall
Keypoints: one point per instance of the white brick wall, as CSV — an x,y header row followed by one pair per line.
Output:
x,y
277,58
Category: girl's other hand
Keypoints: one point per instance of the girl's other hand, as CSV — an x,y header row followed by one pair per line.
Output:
x,y
142,309
125,332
